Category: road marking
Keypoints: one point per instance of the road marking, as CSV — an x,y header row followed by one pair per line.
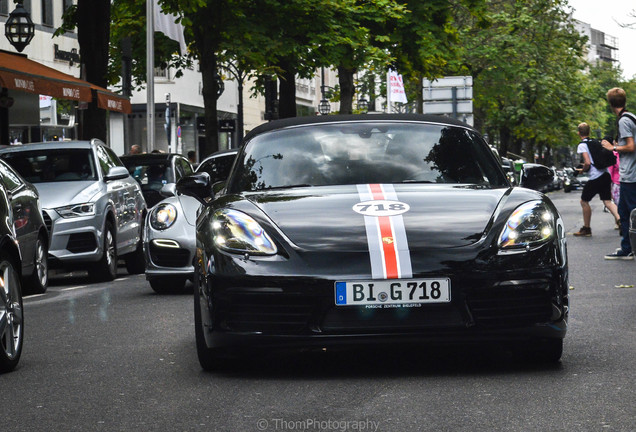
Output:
x,y
74,288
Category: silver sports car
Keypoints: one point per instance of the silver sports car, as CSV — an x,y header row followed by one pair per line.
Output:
x,y
169,233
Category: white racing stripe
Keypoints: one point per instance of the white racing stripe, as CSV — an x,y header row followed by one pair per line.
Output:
x,y
386,234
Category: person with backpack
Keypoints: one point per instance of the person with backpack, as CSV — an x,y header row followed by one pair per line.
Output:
x,y
624,146
600,181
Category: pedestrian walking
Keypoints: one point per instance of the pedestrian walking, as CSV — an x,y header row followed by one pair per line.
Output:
x,y
135,149
616,184
624,146
599,183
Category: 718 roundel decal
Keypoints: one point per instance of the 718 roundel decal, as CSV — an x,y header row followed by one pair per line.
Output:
x,y
381,208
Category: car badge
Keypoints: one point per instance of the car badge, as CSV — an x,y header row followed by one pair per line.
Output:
x,y
387,240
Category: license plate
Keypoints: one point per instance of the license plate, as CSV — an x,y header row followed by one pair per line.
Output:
x,y
395,291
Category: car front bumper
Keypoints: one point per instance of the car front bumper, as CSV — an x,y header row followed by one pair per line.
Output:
x,y
169,252
74,240
274,310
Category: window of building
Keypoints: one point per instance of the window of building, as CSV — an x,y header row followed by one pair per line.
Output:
x,y
47,12
4,7
27,5
66,4
162,73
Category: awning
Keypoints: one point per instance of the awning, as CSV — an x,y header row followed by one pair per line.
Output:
x,y
19,73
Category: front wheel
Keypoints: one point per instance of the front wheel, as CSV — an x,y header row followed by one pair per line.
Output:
x,y
105,270
11,316
38,282
135,261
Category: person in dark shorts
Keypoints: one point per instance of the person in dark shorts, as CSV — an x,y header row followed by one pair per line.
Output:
x,y
600,183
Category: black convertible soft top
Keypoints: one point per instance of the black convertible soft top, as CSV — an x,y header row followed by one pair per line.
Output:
x,y
298,121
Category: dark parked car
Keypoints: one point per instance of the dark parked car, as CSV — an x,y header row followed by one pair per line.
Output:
x,y
155,170
574,181
11,315
33,237
169,235
342,230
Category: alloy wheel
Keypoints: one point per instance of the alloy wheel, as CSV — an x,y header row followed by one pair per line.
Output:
x,y
110,251
11,316
41,263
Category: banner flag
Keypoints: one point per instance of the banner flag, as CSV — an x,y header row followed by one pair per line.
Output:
x,y
397,87
167,25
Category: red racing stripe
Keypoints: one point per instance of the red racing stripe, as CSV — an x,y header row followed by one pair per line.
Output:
x,y
386,232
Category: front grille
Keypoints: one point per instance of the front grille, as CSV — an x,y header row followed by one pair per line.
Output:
x,y
267,313
169,257
81,242
511,305
48,222
352,318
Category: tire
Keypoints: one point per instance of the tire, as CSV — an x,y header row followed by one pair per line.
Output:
x,y
136,261
38,282
11,316
168,285
208,357
105,270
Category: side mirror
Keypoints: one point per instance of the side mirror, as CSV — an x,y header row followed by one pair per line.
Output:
x,y
116,173
535,176
198,186
168,190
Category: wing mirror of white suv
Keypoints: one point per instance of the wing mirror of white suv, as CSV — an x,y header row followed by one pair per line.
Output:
x,y
116,173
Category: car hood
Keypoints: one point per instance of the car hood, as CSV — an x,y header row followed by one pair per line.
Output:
x,y
59,194
324,218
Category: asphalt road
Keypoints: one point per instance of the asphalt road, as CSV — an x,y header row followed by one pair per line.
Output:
x,y
118,357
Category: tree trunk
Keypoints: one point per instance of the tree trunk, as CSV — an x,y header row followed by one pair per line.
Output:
x,y
347,89
504,145
287,90
419,100
93,35
209,74
206,45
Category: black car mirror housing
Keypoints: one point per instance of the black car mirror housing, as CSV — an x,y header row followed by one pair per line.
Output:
x,y
535,176
197,186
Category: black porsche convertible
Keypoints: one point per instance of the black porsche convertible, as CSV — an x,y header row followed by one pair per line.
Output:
x,y
339,230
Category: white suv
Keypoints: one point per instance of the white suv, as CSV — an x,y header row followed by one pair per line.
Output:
x,y
93,208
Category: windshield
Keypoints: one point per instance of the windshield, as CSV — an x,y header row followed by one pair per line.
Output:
x,y
365,152
53,165
150,172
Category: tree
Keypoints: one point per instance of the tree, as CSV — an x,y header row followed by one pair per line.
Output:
x,y
527,72
92,18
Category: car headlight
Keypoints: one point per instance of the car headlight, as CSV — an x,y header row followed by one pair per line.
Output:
x,y
163,216
529,225
76,210
237,232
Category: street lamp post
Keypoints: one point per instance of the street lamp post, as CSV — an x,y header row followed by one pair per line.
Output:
x,y
324,107
19,28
